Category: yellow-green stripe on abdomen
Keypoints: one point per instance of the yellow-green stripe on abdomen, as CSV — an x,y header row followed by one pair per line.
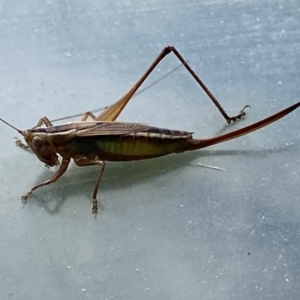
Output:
x,y
132,146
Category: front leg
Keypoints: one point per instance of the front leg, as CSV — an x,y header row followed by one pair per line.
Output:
x,y
62,169
22,145
83,162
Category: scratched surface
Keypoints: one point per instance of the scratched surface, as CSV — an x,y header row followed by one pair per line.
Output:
x,y
167,229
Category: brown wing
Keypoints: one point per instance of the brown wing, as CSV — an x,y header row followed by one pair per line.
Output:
x,y
110,128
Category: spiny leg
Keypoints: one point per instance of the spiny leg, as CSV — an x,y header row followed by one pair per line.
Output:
x,y
62,169
83,162
113,111
95,206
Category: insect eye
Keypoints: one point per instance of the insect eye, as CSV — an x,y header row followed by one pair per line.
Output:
x,y
37,142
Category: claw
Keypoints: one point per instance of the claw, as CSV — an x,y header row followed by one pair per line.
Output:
x,y
20,144
237,117
95,206
24,198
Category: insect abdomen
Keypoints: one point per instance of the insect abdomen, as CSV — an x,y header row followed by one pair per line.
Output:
x,y
133,146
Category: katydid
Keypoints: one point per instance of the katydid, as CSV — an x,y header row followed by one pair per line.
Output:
x,y
104,139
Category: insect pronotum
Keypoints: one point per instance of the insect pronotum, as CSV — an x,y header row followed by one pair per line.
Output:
x,y
103,139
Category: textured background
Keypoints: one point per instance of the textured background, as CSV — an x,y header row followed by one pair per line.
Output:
x,y
167,229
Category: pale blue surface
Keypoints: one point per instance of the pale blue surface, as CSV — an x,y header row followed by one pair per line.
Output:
x,y
167,228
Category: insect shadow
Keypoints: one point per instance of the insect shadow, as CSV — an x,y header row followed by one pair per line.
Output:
x,y
78,181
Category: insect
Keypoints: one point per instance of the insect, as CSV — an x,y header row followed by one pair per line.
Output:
x,y
103,139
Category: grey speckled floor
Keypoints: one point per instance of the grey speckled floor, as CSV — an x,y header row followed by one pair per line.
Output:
x,y
167,229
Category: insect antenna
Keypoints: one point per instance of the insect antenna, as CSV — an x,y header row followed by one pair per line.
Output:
x,y
20,131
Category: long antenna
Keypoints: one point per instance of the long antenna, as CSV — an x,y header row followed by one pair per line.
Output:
x,y
20,131
136,94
